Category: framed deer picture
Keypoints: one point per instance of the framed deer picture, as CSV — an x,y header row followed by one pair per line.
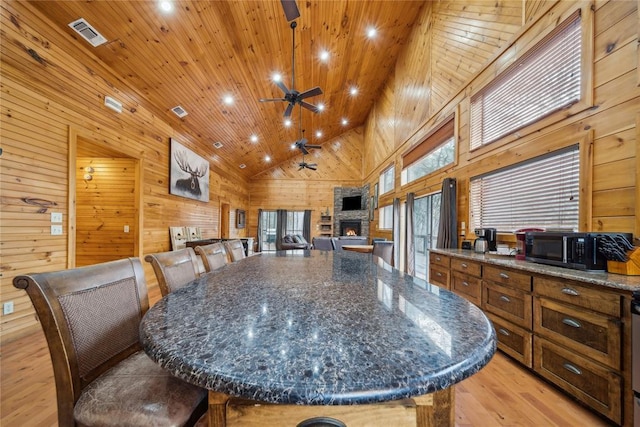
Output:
x,y
188,173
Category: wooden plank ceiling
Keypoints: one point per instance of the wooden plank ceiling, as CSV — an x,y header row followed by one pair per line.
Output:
x,y
203,51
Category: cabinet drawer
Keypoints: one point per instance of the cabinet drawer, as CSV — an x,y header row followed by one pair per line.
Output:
x,y
513,340
573,293
511,304
468,287
507,277
595,385
469,267
588,333
441,260
439,276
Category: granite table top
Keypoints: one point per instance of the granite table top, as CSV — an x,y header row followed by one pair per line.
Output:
x,y
317,328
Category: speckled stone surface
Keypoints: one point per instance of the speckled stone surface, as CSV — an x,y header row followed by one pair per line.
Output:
x,y
317,328
615,281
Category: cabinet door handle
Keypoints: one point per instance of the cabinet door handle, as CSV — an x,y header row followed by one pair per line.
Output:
x,y
505,298
465,284
464,265
570,291
437,258
504,275
571,322
439,274
569,367
504,332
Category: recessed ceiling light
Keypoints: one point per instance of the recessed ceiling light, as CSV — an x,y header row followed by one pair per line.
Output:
x,y
324,56
320,106
318,134
217,144
242,166
267,158
371,32
344,121
276,77
353,91
166,6
293,146
287,123
228,99
254,138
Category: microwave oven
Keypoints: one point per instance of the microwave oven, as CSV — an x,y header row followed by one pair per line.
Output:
x,y
566,249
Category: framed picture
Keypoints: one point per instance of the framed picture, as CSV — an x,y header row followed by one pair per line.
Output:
x,y
375,196
188,173
240,218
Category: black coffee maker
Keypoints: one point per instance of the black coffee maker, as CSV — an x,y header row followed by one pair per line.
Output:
x,y
490,235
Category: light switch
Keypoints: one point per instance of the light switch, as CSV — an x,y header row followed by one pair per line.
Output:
x,y
56,217
126,228
56,230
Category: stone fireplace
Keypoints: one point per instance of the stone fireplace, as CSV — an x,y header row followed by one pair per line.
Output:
x,y
348,221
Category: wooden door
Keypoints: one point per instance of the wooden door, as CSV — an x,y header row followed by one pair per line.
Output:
x,y
224,221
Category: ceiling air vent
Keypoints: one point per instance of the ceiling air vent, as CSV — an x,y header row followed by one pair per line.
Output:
x,y
113,104
217,144
90,34
179,111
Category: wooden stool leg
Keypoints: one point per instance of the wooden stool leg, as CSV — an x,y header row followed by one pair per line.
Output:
x,y
436,409
218,409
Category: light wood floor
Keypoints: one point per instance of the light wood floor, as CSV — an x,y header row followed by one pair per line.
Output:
x,y
502,394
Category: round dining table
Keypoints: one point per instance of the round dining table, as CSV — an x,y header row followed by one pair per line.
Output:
x,y
332,335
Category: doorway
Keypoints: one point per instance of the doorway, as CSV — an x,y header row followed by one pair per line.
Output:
x,y
225,211
426,219
104,202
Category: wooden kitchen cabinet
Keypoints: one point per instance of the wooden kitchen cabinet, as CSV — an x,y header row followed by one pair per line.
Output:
x,y
439,273
574,333
466,280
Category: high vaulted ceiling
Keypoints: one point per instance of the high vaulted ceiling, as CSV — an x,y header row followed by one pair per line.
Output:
x,y
203,51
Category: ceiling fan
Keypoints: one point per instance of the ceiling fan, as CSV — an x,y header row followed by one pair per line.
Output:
x,y
302,144
303,165
292,96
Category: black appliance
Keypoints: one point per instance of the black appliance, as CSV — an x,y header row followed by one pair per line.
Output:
x,y
490,235
568,249
635,356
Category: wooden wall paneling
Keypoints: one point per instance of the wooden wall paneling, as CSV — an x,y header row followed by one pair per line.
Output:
x,y
413,96
39,102
535,8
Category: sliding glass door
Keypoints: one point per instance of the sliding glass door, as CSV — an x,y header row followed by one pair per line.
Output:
x,y
268,230
426,217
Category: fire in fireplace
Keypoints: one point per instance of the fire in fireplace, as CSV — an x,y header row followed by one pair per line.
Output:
x,y
350,228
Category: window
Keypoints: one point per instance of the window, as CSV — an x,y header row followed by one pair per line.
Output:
x,y
435,152
386,217
386,180
295,222
545,80
542,192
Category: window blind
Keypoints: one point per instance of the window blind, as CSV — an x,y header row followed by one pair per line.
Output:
x,y
542,192
543,81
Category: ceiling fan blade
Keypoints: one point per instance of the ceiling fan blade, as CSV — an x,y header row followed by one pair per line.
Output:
x,y
314,146
303,149
287,112
282,87
271,99
290,9
301,167
309,106
312,167
311,92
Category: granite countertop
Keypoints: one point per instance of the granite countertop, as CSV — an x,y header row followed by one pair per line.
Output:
x,y
615,281
317,328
